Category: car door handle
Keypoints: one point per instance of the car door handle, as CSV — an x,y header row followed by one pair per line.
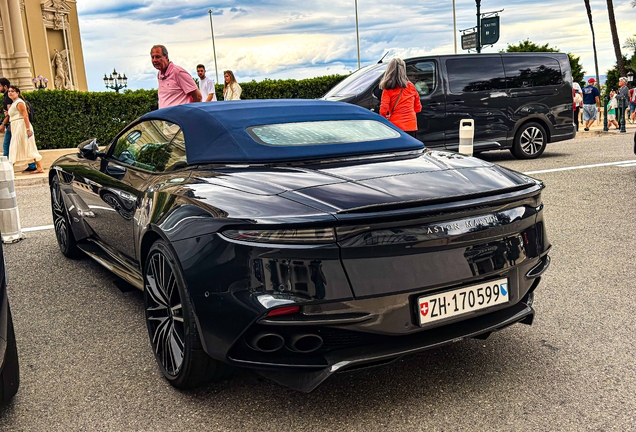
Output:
x,y
457,102
434,104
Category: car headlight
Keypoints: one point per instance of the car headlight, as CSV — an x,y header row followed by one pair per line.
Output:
x,y
284,236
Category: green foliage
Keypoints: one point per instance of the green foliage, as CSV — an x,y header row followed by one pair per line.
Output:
x,y
65,118
611,83
575,61
528,46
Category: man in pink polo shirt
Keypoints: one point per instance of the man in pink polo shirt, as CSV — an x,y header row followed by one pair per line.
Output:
x,y
176,86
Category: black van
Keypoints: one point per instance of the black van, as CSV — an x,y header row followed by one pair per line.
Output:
x,y
519,101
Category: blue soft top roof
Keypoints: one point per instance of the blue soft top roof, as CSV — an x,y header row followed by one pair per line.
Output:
x,y
216,132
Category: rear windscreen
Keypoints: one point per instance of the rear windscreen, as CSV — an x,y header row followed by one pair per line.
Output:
x,y
321,132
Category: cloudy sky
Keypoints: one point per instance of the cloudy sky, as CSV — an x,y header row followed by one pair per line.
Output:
x,y
279,39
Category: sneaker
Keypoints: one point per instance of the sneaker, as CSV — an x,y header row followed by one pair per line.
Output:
x,y
586,129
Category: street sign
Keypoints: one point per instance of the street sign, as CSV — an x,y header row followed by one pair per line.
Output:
x,y
469,41
489,30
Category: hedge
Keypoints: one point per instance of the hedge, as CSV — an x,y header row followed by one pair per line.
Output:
x,y
65,118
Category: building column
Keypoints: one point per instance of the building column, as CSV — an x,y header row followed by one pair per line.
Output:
x,y
22,76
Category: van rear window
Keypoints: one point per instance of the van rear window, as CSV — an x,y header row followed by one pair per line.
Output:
x,y
526,71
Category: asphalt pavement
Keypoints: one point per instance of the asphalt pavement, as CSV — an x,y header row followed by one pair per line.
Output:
x,y
86,362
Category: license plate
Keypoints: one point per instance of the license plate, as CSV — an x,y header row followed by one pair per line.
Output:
x,y
462,301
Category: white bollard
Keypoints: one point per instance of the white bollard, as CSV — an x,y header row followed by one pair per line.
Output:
x,y
466,135
9,216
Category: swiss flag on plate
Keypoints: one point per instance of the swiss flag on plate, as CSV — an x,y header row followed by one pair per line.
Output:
x,y
424,308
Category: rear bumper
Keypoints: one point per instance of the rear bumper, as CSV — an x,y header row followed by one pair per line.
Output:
x,y
383,353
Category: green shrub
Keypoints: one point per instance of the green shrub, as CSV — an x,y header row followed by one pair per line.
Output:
x,y
64,118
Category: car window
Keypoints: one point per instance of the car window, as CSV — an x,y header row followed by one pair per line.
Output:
x,y
475,74
153,145
532,71
422,75
359,81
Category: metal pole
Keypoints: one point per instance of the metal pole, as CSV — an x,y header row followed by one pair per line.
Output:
x,y
606,100
454,27
478,3
216,69
357,33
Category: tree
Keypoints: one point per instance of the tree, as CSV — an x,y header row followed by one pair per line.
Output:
x,y
575,61
589,17
615,40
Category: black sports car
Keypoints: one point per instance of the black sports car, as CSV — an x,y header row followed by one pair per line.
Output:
x,y
9,368
300,238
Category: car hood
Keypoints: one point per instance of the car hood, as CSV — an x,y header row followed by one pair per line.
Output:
x,y
429,176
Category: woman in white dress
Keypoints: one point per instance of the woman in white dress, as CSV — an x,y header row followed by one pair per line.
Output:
x,y
22,147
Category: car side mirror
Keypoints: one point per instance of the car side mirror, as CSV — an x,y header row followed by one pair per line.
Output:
x,y
89,150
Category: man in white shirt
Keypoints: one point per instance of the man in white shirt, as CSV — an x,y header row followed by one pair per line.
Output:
x,y
206,85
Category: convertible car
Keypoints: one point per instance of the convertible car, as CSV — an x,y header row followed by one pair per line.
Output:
x,y
300,238
9,368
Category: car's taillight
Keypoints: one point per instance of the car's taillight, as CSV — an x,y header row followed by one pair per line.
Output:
x,y
287,310
284,236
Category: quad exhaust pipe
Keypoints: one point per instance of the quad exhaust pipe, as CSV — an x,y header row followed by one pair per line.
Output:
x,y
267,342
271,342
304,343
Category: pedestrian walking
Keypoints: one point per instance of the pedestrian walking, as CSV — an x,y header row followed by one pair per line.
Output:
x,y
578,103
231,89
400,100
176,86
6,125
612,104
22,147
623,96
206,85
591,103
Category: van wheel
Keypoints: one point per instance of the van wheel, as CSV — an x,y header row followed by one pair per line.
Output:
x,y
530,141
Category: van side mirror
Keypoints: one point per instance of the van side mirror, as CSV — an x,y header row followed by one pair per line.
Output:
x,y
89,150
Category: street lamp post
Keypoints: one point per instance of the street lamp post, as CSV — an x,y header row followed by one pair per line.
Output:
x,y
115,81
454,27
40,82
478,3
357,33
213,47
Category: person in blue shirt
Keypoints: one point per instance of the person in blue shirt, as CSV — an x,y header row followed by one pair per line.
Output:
x,y
591,103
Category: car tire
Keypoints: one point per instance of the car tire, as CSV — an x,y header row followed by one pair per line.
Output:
x,y
63,232
10,375
530,141
172,327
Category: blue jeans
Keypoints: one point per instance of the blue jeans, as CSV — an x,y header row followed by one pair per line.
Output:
x,y
5,147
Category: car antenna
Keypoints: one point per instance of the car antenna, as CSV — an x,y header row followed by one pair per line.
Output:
x,y
385,54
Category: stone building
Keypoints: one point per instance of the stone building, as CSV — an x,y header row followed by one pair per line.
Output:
x,y
41,37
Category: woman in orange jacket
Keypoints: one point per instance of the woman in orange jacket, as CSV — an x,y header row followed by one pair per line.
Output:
x,y
400,99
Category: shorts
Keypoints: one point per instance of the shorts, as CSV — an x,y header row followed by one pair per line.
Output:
x,y
589,112
611,117
632,107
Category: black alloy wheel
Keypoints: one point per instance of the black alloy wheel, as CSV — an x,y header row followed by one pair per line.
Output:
x,y
65,238
171,324
530,141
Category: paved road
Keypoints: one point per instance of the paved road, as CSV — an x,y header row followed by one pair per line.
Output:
x,y
86,363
